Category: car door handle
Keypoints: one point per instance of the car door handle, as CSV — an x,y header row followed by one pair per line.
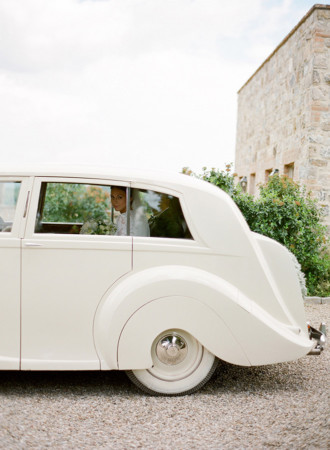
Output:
x,y
32,244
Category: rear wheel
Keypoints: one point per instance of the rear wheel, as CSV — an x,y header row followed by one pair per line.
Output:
x,y
181,365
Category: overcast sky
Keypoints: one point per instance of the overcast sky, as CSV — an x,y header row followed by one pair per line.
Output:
x,y
148,83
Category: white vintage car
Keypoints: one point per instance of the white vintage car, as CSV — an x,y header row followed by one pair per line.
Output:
x,y
156,275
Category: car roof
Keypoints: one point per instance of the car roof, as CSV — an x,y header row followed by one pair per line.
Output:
x,y
160,178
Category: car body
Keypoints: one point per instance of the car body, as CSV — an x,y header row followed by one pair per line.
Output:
x,y
163,306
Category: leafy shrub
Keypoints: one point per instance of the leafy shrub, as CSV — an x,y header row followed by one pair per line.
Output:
x,y
286,212
79,203
75,203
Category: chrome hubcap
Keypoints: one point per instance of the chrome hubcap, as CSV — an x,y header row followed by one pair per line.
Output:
x,y
171,349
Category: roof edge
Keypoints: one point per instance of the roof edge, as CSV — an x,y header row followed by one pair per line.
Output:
x,y
287,37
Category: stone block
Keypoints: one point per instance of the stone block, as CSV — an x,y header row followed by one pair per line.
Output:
x,y
319,94
324,178
316,77
320,61
321,195
307,173
325,210
318,139
318,162
312,151
325,152
319,106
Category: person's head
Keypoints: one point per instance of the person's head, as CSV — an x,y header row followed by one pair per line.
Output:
x,y
118,198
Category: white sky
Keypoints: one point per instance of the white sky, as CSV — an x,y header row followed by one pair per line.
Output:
x,y
148,83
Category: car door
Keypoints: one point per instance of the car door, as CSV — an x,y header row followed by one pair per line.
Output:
x,y
70,258
171,237
13,198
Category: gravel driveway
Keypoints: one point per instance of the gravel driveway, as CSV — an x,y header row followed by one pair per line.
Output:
x,y
285,405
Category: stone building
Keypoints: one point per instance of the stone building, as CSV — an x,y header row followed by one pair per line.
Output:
x,y
284,111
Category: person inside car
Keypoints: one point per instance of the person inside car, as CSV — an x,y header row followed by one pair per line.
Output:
x,y
138,220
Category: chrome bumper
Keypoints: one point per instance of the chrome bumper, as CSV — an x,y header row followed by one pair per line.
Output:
x,y
320,336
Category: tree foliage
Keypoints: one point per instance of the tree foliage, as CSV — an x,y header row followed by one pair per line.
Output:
x,y
81,204
75,203
286,212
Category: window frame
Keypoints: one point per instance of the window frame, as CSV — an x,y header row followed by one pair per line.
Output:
x,y
185,211
34,203
267,174
289,170
22,204
252,183
30,228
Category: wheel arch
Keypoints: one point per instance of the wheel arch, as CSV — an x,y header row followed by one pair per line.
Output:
x,y
163,298
179,313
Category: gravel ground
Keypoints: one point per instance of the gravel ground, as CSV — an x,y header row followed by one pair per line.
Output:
x,y
282,406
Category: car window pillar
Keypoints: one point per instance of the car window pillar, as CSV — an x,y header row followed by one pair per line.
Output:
x,y
128,210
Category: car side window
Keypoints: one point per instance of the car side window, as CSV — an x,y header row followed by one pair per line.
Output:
x,y
74,208
78,208
9,191
165,216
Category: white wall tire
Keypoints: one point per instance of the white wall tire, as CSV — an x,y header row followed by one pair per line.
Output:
x,y
181,365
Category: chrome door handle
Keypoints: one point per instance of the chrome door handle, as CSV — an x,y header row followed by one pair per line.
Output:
x,y
32,244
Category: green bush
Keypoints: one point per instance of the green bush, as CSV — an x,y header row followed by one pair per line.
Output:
x,y
286,212
79,203
74,203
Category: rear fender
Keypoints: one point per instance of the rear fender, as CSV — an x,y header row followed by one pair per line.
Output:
x,y
146,303
180,313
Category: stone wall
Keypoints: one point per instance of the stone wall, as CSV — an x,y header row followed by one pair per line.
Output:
x,y
284,111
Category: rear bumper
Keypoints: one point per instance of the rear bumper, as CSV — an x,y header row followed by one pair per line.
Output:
x,y
319,336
